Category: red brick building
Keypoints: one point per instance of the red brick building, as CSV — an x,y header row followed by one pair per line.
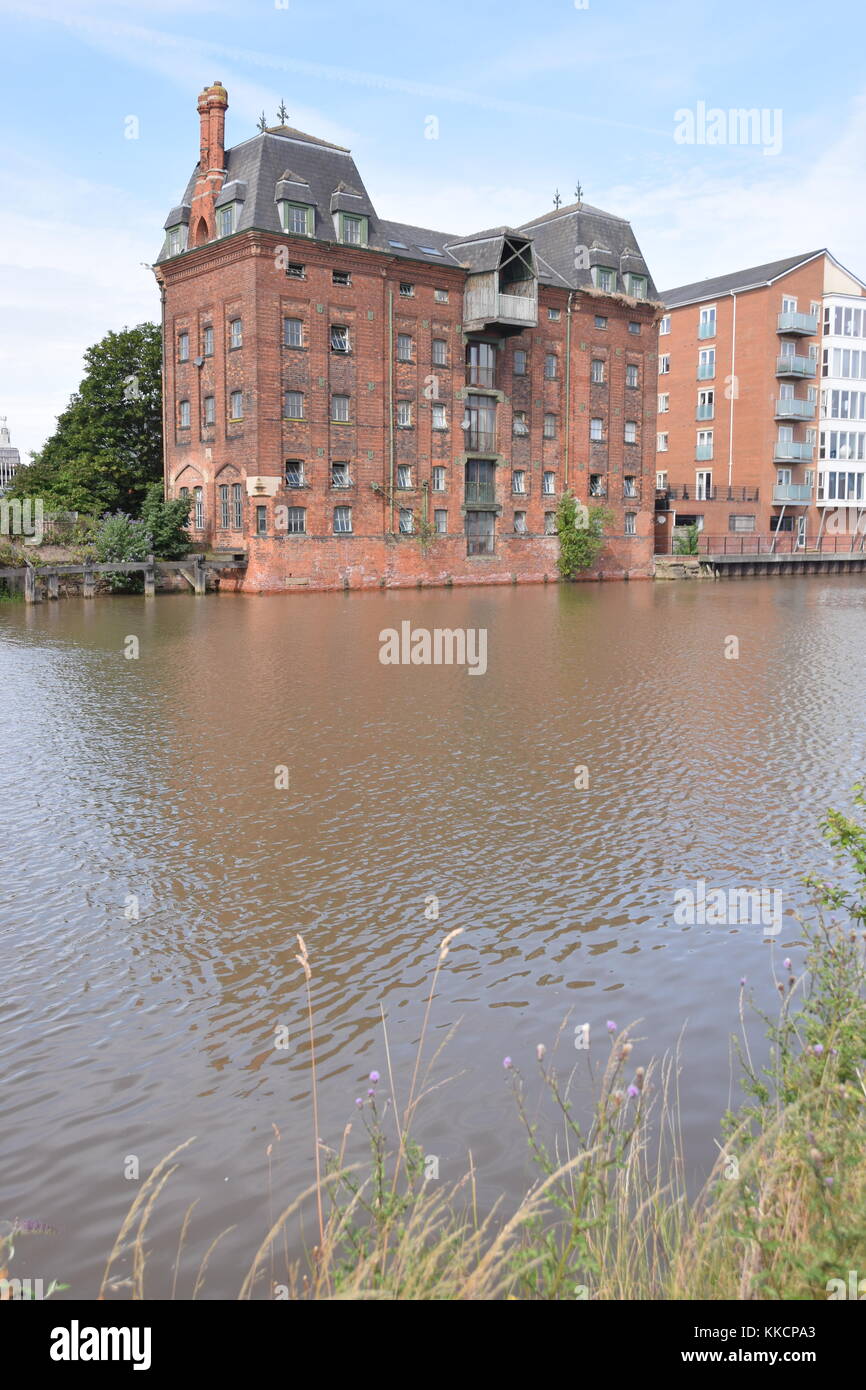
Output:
x,y
352,401
758,401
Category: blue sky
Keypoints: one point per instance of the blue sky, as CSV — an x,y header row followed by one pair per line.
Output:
x,y
529,98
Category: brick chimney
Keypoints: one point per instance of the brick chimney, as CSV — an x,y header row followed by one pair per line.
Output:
x,y
212,106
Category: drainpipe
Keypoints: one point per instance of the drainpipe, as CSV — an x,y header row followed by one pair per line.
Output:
x,y
164,394
733,389
567,381
391,410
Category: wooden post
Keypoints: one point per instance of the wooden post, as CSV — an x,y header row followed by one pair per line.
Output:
x,y
53,584
89,586
30,593
150,579
199,573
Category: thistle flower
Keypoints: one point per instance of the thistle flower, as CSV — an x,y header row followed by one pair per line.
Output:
x,y
818,1049
611,1026
374,1077
507,1063
358,1100
633,1091
787,962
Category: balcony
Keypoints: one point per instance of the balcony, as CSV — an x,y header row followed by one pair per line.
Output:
x,y
800,494
479,441
500,296
703,453
796,366
705,412
792,409
707,330
790,451
790,322
713,494
706,371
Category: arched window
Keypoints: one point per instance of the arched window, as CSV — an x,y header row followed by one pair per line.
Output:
x,y
199,508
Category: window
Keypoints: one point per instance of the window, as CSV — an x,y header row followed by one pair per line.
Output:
x,y
404,475
634,326
664,403
554,315
664,363
661,443
296,271
629,485
518,480
340,277
261,521
604,278
294,405
705,444
294,473
600,321
440,296
440,421
236,333
548,484
706,405
407,521
596,374
342,520
224,506
706,364
549,426
225,219
296,520
238,506
207,340
340,409
236,405
438,478
184,492
550,523
440,522
407,291
175,241
704,485
596,428
183,347
550,366
636,285
404,415
404,347
789,304
481,364
597,485
293,333
440,352
184,415
741,523
339,337
198,508
631,523
630,434
209,410
297,218
353,229
707,322
519,362
520,523
665,325
519,425
661,481
340,475
631,374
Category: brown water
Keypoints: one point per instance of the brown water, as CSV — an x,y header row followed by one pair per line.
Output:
x,y
155,778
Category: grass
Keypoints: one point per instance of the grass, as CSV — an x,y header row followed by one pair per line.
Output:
x,y
782,1213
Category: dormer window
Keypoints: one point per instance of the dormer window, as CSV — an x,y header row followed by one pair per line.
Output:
x,y
225,219
352,229
636,285
175,241
604,278
297,218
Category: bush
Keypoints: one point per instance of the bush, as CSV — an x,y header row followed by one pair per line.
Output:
x,y
581,535
166,523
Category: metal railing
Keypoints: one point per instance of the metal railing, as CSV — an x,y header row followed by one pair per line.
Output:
x,y
779,543
792,451
713,494
792,492
480,492
790,322
480,441
790,408
796,366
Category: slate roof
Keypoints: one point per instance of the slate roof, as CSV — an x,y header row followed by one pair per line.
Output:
x,y
752,278
327,176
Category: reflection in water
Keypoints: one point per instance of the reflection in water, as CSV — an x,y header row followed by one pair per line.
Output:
x,y
155,876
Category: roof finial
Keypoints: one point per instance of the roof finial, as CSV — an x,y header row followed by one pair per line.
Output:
x,y
282,113
262,123
557,201
578,193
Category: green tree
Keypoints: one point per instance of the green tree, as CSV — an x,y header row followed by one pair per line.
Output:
x,y
107,447
581,535
165,523
687,544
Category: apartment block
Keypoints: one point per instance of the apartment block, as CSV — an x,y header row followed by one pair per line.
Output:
x,y
352,401
761,385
